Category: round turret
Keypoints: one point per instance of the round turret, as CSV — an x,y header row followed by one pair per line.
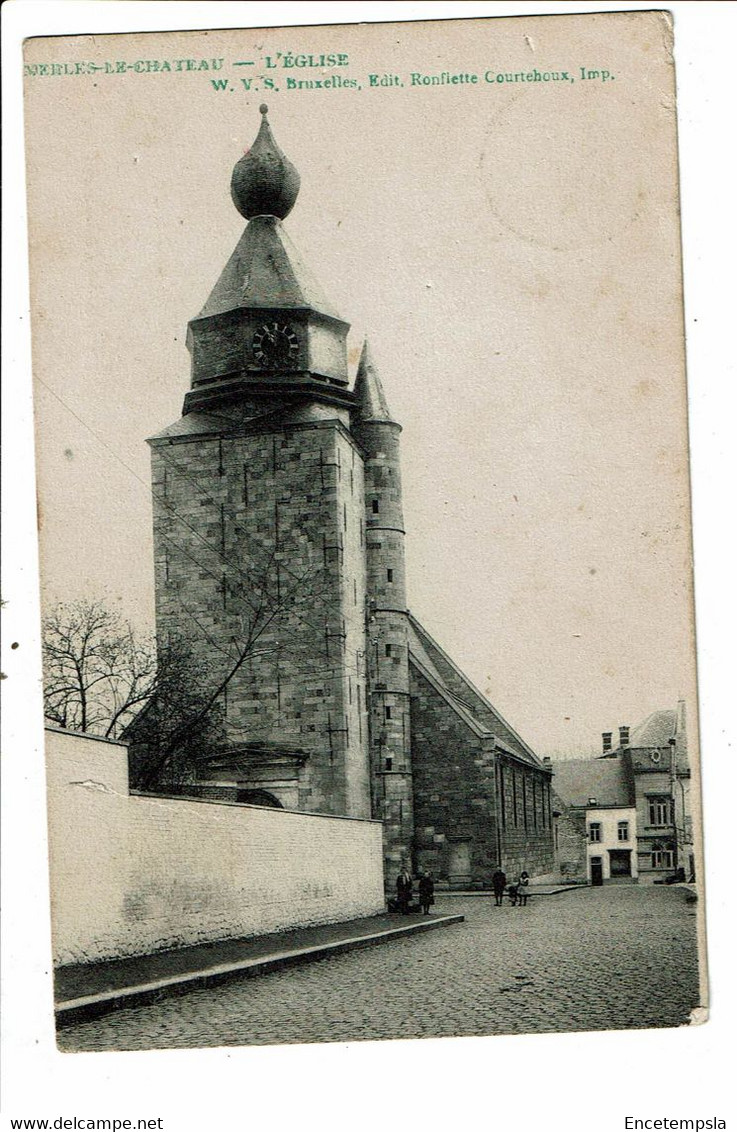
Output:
x,y
264,181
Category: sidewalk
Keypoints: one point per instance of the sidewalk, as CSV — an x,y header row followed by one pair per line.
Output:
x,y
86,990
533,890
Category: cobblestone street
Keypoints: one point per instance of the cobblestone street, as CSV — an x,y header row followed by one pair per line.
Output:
x,y
601,958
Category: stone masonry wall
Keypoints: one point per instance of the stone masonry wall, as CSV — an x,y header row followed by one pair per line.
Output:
x,y
570,826
453,786
131,875
260,535
527,819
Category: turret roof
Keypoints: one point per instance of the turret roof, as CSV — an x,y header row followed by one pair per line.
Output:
x,y
371,403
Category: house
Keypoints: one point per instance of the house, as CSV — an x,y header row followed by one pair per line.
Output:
x,y
626,814
656,753
596,798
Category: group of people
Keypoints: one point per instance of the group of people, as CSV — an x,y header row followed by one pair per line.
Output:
x,y
405,889
518,891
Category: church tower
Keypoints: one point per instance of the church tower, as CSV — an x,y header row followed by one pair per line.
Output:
x,y
279,558
259,517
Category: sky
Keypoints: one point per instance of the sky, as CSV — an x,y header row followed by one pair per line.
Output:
x,y
511,250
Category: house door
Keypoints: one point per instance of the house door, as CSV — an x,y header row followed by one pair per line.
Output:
x,y
597,873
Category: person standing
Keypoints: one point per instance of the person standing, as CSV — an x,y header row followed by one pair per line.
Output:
x,y
404,890
498,884
522,887
427,892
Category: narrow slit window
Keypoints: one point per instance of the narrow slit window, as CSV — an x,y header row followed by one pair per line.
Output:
x,y
387,712
375,506
390,575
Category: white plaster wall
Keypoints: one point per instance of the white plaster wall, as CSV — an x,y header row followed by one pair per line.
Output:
x,y
130,875
609,820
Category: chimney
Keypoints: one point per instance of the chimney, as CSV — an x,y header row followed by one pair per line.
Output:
x,y
606,742
624,736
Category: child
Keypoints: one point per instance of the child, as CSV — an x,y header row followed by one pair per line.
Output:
x,y
427,892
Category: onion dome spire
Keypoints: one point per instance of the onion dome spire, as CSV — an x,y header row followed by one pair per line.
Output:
x,y
264,181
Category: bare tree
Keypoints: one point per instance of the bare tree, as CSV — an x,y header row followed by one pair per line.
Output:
x,y
169,707
180,724
184,723
97,675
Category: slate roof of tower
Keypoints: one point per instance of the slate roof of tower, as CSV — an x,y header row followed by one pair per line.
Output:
x,y
266,270
429,658
607,780
300,411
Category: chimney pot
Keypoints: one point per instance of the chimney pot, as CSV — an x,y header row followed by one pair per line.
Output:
x,y
606,741
624,736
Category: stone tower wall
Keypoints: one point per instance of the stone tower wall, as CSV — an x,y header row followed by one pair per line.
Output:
x,y
391,759
261,535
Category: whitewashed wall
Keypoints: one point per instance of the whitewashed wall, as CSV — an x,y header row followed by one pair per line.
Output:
x,y
130,875
609,821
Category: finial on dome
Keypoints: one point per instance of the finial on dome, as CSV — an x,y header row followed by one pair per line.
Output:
x,y
264,181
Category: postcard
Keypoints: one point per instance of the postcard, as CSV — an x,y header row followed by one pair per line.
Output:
x,y
365,534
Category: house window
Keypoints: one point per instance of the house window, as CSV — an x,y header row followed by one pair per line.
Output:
x,y
594,831
661,859
659,811
388,763
623,831
388,650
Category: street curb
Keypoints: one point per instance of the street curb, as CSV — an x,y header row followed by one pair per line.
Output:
x,y
452,893
86,1007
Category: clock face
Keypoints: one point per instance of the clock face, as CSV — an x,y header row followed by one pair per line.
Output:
x,y
275,345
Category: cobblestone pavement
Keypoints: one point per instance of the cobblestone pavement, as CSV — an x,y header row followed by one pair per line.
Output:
x,y
606,958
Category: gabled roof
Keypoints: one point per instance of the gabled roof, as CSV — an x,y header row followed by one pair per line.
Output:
x,y
266,270
429,658
576,781
432,678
